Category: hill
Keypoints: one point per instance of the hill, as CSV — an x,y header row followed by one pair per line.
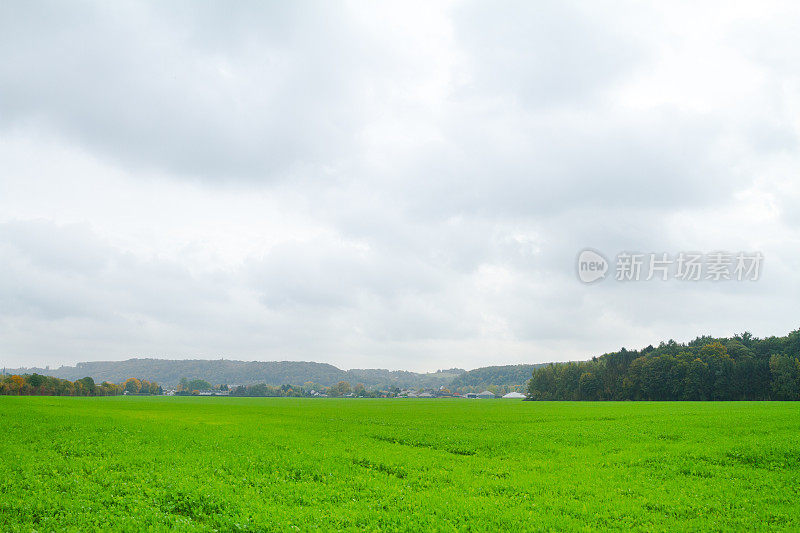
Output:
x,y
168,372
510,376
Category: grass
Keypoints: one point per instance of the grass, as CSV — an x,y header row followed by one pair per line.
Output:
x,y
259,464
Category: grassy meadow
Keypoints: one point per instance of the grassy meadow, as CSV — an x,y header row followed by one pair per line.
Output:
x,y
263,464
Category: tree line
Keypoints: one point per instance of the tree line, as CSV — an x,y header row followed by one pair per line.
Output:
x,y
742,367
38,385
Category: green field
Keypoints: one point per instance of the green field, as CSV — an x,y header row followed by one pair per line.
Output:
x,y
262,464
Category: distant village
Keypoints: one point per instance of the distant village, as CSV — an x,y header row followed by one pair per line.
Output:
x,y
340,390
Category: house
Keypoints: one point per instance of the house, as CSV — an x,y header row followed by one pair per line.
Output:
x,y
514,396
486,395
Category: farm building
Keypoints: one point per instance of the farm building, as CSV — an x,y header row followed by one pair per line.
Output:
x,y
486,395
514,396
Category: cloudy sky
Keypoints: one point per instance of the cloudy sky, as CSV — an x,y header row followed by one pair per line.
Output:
x,y
398,185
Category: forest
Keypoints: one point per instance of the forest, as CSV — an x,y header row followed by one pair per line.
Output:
x,y
742,367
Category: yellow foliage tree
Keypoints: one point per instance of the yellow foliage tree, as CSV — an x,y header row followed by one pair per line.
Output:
x,y
132,385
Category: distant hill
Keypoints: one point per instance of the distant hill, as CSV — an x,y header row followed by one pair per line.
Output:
x,y
506,375
168,372
401,379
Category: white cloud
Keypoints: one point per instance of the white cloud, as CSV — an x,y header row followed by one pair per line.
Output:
x,y
387,185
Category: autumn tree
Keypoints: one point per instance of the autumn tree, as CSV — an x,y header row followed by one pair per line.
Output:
x,y
132,385
17,384
340,389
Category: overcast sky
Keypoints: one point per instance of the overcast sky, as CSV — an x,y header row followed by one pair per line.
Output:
x,y
397,185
